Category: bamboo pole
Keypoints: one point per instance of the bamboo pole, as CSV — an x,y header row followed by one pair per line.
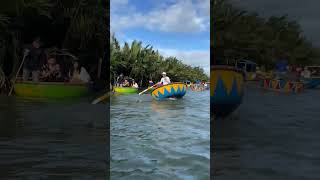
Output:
x,y
24,57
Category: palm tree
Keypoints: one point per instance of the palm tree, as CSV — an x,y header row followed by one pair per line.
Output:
x,y
144,63
239,34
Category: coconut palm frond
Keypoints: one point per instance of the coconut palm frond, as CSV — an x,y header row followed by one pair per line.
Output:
x,y
42,7
60,52
4,20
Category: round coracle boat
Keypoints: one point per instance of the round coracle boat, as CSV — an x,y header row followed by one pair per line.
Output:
x,y
50,89
282,85
313,81
125,90
226,89
173,90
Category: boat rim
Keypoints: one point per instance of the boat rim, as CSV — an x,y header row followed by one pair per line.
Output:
x,y
51,83
125,88
224,67
312,66
170,84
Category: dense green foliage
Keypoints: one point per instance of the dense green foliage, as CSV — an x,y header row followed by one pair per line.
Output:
x,y
240,34
145,63
79,27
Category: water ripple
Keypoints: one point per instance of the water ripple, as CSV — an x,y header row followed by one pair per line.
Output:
x,y
271,136
160,140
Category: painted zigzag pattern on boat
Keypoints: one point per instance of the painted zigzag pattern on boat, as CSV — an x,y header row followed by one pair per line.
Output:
x,y
176,90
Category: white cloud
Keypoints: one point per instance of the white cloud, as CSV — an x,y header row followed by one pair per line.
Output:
x,y
194,58
118,2
182,16
204,7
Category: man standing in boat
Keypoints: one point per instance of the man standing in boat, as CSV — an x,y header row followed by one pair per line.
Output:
x,y
34,58
120,80
164,80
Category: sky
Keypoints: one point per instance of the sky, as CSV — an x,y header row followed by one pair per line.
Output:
x,y
305,12
179,28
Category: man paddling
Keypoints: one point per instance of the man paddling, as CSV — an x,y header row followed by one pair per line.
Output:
x,y
164,80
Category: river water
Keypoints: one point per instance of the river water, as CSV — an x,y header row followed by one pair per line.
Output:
x,y
160,139
52,140
271,136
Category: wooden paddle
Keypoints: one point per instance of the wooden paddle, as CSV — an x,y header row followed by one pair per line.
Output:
x,y
146,90
102,98
14,81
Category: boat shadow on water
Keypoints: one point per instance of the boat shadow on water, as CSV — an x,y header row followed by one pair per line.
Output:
x,y
226,150
168,107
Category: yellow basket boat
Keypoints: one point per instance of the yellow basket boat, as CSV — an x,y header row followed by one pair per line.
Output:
x,y
173,90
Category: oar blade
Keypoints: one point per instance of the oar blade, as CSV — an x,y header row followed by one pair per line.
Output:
x,y
145,90
102,98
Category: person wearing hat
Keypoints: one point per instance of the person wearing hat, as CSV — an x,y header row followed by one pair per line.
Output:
x,y
34,57
164,80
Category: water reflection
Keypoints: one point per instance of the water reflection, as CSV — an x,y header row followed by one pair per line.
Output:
x,y
169,108
11,121
271,136
52,140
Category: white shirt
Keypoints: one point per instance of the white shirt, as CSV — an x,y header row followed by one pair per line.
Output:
x,y
135,85
306,74
84,75
165,80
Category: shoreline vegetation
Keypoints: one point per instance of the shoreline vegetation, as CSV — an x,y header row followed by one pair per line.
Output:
x,y
71,28
143,63
241,34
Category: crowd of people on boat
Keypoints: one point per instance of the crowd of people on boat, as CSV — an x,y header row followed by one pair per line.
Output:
x,y
199,86
289,72
125,81
45,68
298,72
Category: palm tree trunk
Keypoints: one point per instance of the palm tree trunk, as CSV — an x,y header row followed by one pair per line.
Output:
x,y
141,80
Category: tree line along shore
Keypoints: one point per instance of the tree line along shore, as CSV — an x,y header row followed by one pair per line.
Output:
x,y
77,28
239,34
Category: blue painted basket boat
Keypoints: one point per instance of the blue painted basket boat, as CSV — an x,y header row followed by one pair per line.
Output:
x,y
173,90
313,81
282,85
227,89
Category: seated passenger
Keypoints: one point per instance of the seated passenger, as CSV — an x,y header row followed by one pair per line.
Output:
x,y
126,83
135,85
79,74
48,70
58,76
